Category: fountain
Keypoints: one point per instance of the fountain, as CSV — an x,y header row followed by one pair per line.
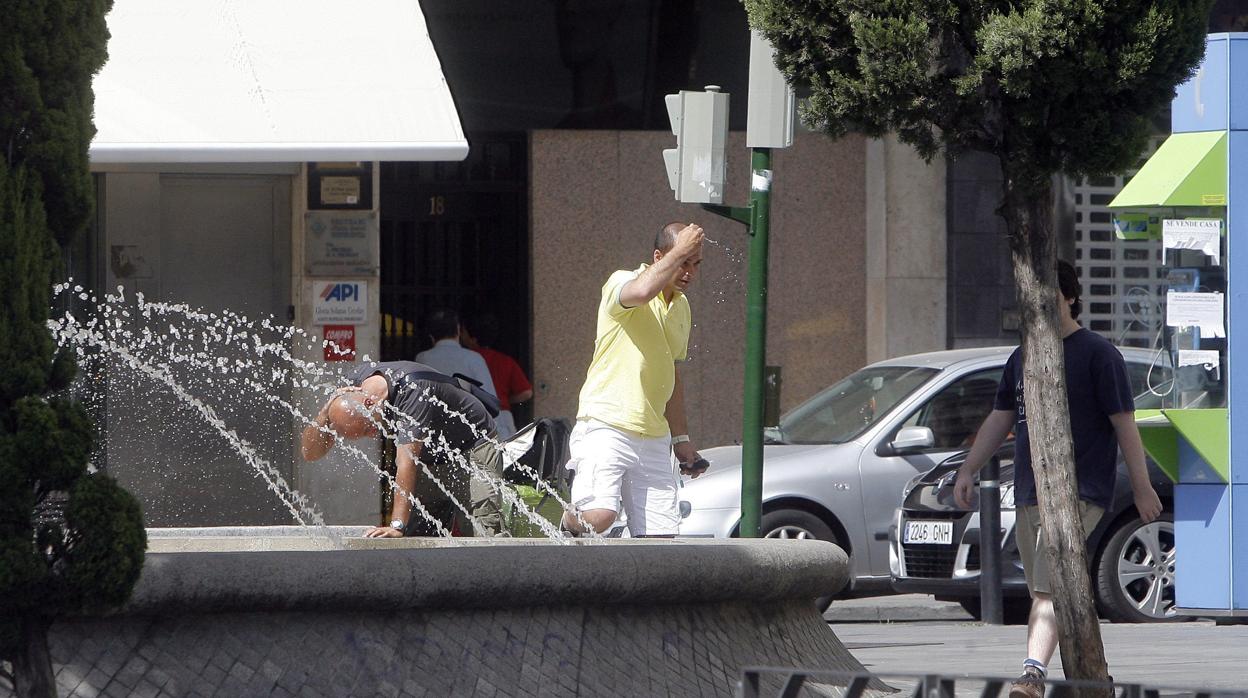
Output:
x,y
311,608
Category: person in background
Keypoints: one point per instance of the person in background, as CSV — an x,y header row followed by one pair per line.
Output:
x,y
448,356
510,384
1102,421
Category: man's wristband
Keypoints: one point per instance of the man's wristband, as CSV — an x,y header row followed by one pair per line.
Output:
x,y
680,439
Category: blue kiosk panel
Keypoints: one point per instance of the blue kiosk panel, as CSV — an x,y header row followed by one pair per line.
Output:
x,y
1200,104
1216,99
1196,470
1237,310
1202,522
1239,546
1237,80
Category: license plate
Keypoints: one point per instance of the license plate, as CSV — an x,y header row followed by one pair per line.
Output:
x,y
928,533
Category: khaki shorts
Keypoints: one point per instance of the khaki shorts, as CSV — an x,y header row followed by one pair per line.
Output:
x,y
1031,542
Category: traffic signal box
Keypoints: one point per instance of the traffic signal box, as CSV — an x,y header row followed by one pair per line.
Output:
x,y
697,166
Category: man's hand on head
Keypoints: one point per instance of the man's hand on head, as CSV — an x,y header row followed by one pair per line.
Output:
x,y
688,241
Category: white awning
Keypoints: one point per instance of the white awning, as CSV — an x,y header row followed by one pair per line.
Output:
x,y
191,81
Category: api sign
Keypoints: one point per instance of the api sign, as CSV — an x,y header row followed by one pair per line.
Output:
x,y
339,302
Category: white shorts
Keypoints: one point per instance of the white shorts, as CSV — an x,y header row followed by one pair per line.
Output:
x,y
615,467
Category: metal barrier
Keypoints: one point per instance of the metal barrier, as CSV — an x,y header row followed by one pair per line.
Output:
x,y
788,682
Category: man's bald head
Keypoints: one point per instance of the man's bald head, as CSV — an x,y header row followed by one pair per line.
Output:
x,y
666,238
351,415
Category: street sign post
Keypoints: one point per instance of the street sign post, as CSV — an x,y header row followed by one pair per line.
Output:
x,y
770,125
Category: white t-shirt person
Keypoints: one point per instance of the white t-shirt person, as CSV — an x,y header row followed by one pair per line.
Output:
x,y
449,357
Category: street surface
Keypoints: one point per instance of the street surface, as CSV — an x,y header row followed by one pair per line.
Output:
x,y
912,634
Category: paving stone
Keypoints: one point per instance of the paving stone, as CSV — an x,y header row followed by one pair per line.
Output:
x,y
146,689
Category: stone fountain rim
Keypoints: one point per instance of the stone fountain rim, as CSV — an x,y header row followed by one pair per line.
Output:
x,y
396,574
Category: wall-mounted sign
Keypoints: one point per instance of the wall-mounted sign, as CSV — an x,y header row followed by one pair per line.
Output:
x,y
340,242
1202,234
340,342
340,186
1203,310
339,302
340,190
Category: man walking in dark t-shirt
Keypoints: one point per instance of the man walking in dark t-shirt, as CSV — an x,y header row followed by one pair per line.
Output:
x,y
1102,420
431,420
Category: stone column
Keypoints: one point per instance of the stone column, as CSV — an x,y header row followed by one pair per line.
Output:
x,y
906,259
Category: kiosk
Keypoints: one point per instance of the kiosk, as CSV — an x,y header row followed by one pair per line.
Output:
x,y
1191,195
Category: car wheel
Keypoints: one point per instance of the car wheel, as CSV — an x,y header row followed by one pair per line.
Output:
x,y
799,525
1014,611
1135,572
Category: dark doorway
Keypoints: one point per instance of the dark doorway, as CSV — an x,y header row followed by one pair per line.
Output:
x,y
456,234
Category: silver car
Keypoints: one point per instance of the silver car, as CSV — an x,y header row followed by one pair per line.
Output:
x,y
836,466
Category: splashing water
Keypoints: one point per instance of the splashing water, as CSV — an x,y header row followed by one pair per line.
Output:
x,y
192,353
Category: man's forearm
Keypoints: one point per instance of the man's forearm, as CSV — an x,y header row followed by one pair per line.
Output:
x,y
651,281
1132,447
405,472
677,420
991,435
316,441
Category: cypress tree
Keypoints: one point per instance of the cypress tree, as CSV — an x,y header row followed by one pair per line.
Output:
x,y
71,541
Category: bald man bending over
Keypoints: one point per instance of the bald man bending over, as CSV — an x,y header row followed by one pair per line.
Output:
x,y
431,421
632,407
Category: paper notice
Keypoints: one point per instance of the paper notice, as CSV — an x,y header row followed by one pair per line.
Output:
x,y
1193,234
1199,357
1203,310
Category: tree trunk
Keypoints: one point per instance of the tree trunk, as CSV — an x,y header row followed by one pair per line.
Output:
x,y
1028,212
32,665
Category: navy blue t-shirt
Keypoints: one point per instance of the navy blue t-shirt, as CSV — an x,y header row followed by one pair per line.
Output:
x,y
1097,386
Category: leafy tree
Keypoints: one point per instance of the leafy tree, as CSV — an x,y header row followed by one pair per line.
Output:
x,y
71,541
1048,86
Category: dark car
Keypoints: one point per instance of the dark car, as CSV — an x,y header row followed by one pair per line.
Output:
x,y
935,548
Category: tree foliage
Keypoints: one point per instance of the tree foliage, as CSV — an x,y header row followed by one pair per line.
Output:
x,y
71,541
49,51
1054,85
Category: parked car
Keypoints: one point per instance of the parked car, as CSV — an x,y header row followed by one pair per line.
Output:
x,y
935,548
836,466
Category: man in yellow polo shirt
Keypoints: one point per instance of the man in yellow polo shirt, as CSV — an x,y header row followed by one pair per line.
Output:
x,y
632,411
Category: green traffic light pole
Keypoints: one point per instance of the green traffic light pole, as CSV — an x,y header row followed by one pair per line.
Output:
x,y
757,219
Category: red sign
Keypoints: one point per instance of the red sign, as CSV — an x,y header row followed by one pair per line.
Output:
x,y
340,342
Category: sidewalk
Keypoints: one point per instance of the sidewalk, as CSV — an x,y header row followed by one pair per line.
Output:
x,y
918,635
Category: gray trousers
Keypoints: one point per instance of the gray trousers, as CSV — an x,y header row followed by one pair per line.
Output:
x,y
479,497
487,501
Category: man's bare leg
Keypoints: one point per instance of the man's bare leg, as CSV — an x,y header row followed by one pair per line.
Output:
x,y
1041,644
1041,628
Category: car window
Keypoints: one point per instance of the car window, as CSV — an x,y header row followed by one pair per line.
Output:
x,y
955,413
850,407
